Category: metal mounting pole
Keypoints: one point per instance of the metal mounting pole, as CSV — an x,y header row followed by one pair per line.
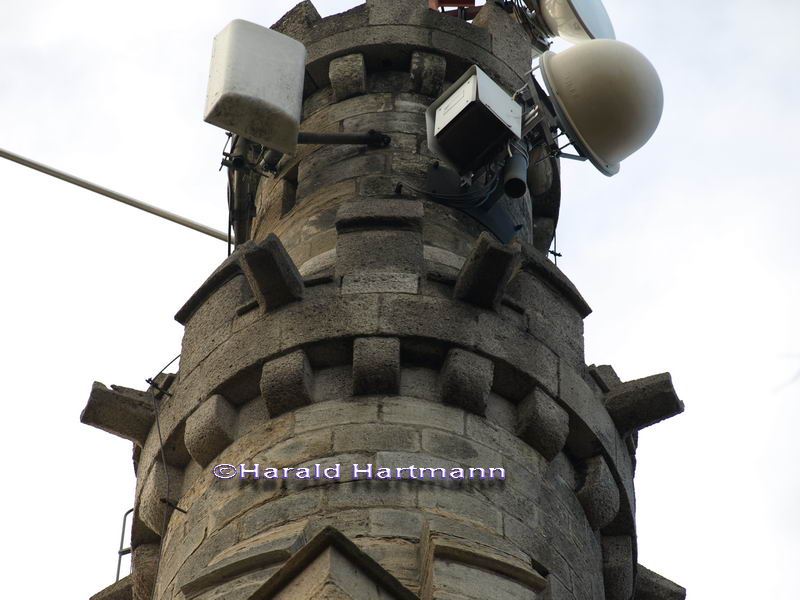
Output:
x,y
97,189
122,550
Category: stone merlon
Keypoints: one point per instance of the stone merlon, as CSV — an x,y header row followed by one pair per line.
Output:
x,y
273,277
486,273
652,586
637,404
221,275
124,412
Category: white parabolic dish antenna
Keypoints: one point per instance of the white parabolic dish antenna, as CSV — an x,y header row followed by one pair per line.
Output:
x,y
577,20
607,97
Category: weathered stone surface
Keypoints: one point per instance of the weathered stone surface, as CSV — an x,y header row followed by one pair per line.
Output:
x,y
445,258
457,503
412,411
375,101
537,265
474,537
638,404
257,552
460,449
544,230
319,268
299,21
252,416
557,590
348,76
175,451
352,523
398,557
145,564
511,576
331,567
191,537
239,587
354,18
387,12
210,429
121,590
272,274
282,510
334,413
364,493
486,273
542,423
466,379
387,522
376,366
160,484
427,73
652,586
401,252
282,198
509,41
380,214
221,275
212,545
599,494
140,532
544,182
286,383
394,226
451,580
551,318
319,171
372,437
121,411
589,421
375,283
605,376
618,567
212,320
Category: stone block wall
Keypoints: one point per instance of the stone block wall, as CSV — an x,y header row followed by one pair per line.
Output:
x,y
378,67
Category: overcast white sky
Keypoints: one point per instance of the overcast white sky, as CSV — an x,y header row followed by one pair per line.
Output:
x,y
689,257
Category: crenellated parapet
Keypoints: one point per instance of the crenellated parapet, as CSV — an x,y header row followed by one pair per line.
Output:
x,y
432,374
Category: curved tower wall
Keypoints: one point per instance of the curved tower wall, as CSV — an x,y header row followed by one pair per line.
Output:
x,y
378,67
365,325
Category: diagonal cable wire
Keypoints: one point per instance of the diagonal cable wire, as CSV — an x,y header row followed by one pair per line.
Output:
x,y
103,191
166,476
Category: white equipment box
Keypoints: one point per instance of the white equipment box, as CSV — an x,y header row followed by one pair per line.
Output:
x,y
470,120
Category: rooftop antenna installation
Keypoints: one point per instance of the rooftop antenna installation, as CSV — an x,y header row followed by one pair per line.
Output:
x,y
574,20
601,94
262,107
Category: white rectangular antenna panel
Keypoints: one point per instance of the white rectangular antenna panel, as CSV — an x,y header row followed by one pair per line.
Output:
x,y
255,88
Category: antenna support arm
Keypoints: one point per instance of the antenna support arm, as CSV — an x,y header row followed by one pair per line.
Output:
x,y
372,138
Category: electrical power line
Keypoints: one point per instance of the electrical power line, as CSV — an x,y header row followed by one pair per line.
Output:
x,y
97,189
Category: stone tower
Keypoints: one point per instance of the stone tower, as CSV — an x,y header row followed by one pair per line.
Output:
x,y
364,326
